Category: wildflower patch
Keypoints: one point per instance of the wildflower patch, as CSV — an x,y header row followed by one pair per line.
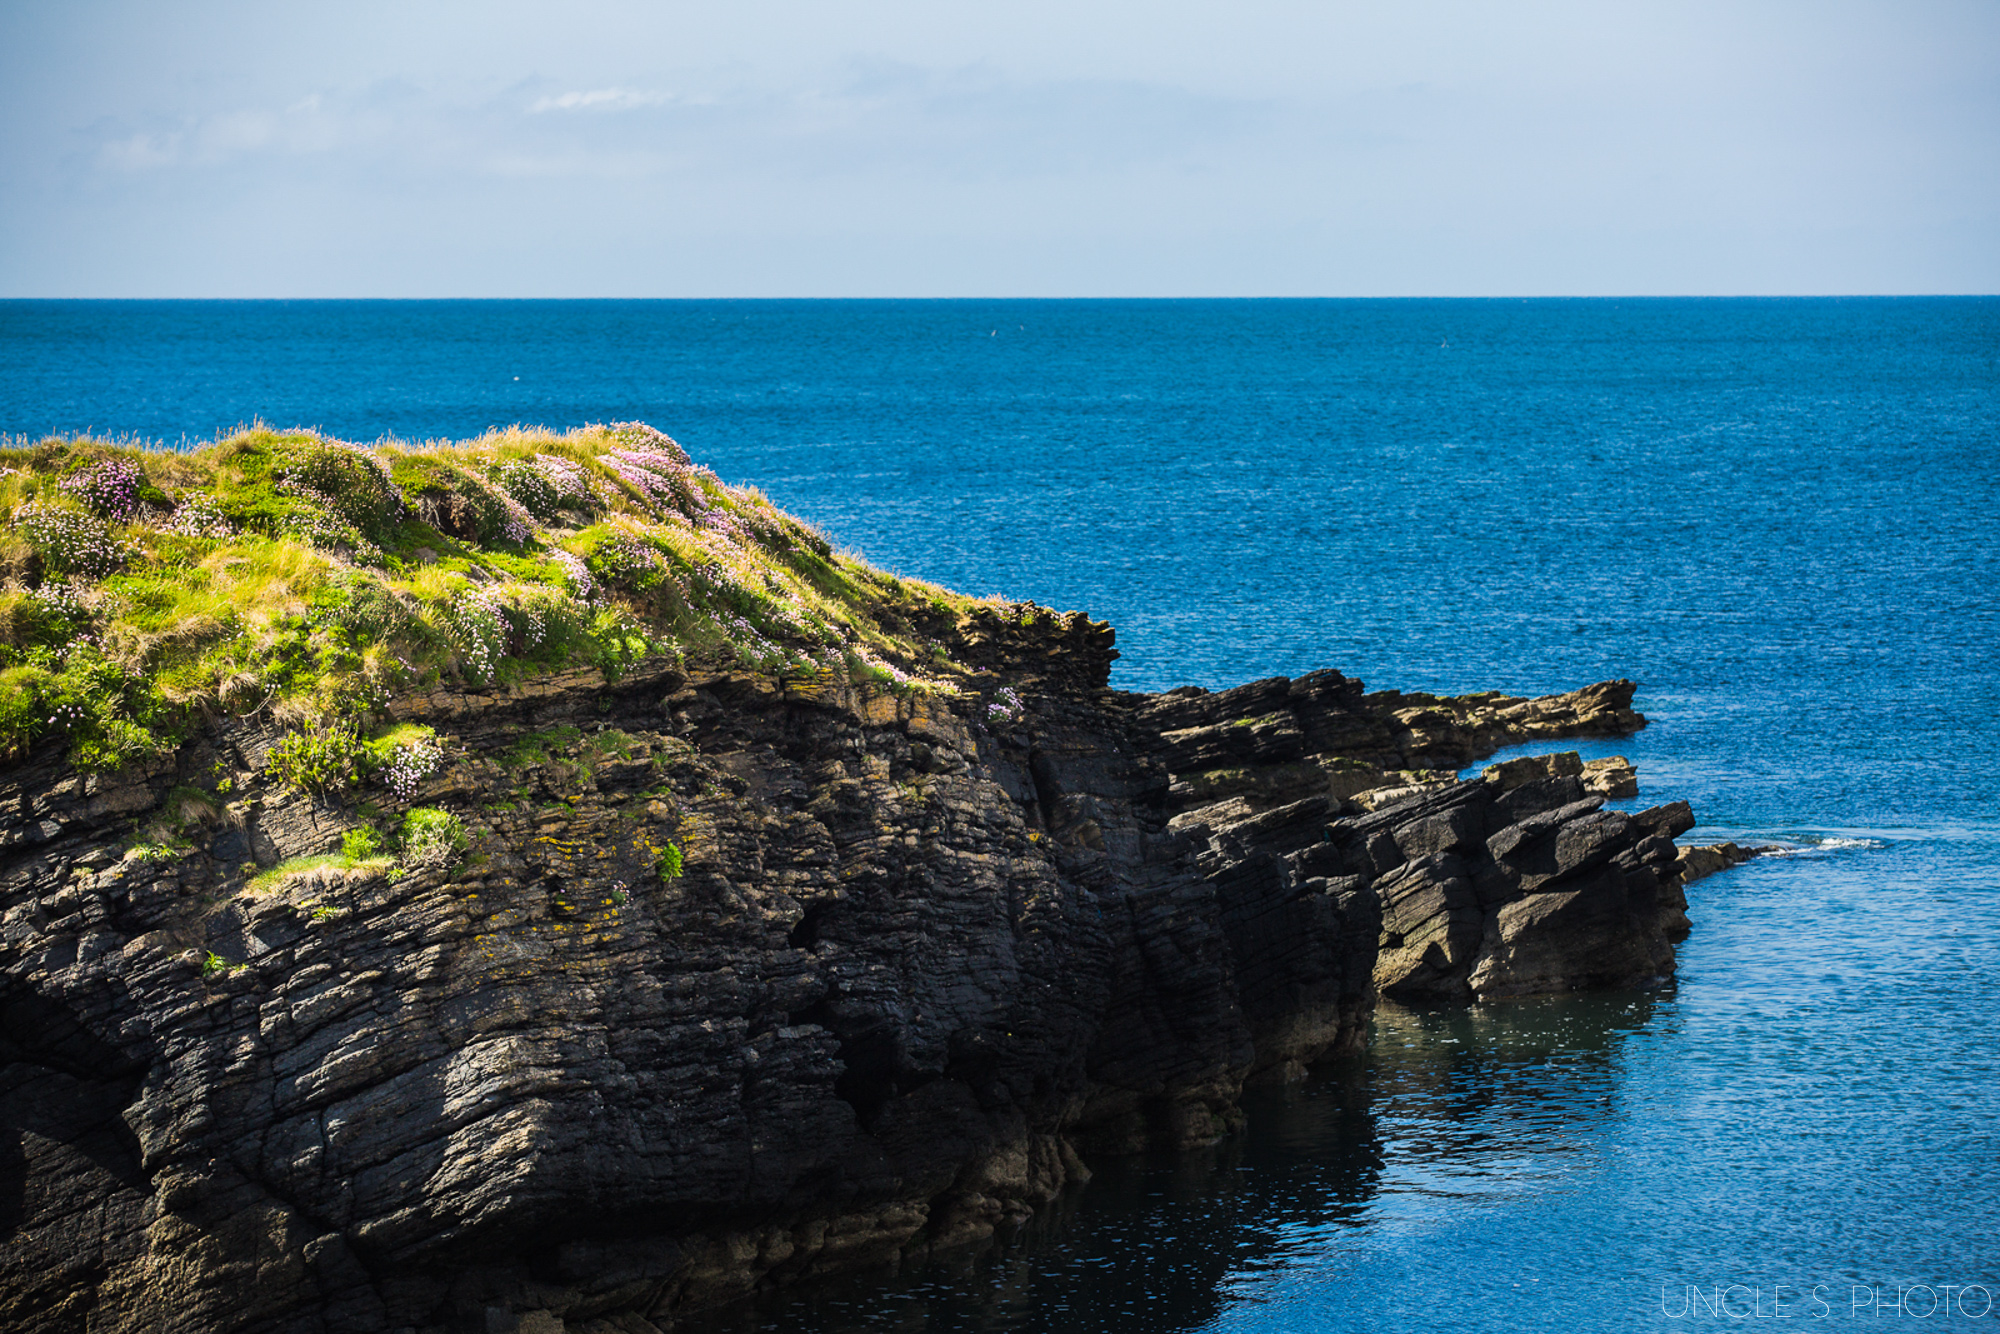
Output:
x,y
303,581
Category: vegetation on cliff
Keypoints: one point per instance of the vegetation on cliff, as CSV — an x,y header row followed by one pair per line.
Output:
x,y
302,579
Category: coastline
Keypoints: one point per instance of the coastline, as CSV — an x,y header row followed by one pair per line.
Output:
x,y
918,956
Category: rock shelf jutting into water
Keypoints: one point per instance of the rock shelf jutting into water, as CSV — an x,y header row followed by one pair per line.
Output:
x,y
613,985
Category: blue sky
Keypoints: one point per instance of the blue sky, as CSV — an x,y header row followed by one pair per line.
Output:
x,y
1032,149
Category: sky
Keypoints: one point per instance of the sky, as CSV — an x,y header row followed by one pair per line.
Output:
x,y
945,148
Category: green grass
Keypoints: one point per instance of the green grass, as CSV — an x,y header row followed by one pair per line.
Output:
x,y
431,837
361,850
305,581
292,867
158,854
532,748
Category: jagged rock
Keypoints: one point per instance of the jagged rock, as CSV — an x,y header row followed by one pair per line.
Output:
x,y
1612,777
1700,863
1523,769
1431,928
1396,731
1569,939
1401,785
911,973
1671,820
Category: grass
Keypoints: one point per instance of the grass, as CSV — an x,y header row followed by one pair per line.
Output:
x,y
304,581
360,850
295,868
534,748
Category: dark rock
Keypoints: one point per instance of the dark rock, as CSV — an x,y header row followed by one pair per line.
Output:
x,y
1583,935
911,974
1431,928
1673,819
1533,798
1700,863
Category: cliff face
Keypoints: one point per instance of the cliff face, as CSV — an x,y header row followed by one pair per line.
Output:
x,y
741,978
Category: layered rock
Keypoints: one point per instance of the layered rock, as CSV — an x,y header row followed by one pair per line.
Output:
x,y
1700,863
1516,884
918,958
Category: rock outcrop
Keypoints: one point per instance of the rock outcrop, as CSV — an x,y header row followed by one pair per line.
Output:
x,y
912,961
1702,862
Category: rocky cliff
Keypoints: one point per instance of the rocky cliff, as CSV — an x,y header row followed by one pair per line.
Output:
x,y
529,884
739,977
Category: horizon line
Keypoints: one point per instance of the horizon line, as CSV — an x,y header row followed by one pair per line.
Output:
x,y
1511,296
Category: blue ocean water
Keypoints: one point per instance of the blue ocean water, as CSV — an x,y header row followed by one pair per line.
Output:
x,y
1776,515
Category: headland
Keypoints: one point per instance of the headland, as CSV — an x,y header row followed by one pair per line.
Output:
x,y
530,884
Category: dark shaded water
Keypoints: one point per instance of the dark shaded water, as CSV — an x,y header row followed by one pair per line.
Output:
x,y
1777,516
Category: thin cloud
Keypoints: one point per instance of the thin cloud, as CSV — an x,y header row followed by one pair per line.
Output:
x,y
141,152
1689,150
307,126
598,99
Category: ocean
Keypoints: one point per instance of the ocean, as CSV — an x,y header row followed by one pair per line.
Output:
x,y
1777,516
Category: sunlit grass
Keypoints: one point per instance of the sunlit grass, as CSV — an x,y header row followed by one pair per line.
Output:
x,y
287,575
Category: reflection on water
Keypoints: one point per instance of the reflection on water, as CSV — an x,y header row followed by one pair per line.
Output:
x,y
1145,1246
1449,1110
1479,1112
1489,1101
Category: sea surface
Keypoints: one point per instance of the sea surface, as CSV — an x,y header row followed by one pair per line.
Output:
x,y
1777,516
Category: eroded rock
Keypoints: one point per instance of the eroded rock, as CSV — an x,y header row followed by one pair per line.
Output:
x,y
1701,862
913,970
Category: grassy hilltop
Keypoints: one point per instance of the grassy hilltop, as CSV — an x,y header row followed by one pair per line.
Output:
x,y
304,580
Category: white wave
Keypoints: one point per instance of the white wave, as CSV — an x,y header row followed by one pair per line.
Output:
x,y
1814,845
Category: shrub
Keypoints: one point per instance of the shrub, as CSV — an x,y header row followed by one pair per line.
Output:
x,y
314,522
547,485
157,854
216,598
576,575
196,515
366,608
638,435
107,715
72,540
477,625
546,621
527,484
322,760
432,838
669,863
663,478
618,641
460,503
118,742
48,617
111,717
406,757
109,487
1005,707
620,558
359,844
347,481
